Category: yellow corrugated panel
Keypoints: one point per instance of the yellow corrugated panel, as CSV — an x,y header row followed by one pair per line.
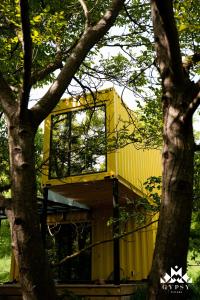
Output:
x,y
102,255
134,165
137,252
137,165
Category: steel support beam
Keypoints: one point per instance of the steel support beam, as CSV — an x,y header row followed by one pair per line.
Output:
x,y
116,232
43,219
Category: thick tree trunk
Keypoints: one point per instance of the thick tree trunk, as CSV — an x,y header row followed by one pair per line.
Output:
x,y
35,277
176,208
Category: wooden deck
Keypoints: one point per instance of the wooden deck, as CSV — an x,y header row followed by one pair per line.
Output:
x,y
87,291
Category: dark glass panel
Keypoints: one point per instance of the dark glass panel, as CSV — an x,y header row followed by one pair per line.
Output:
x,y
78,143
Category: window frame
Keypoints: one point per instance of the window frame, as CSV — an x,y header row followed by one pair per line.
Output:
x,y
50,177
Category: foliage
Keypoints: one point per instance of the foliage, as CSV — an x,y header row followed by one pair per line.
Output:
x,y
194,245
141,209
5,251
151,121
53,25
4,239
55,31
195,287
39,159
153,192
78,142
186,13
56,26
4,269
4,156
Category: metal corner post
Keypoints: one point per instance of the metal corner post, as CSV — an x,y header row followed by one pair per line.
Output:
x,y
116,232
44,216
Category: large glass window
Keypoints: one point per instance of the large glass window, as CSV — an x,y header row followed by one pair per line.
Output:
x,y
65,240
78,142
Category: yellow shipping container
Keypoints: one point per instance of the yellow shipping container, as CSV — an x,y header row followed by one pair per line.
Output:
x,y
89,188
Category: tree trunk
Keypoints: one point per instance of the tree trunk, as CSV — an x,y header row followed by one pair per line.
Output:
x,y
35,277
176,207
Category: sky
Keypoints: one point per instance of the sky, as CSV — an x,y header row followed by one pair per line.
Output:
x,y
128,97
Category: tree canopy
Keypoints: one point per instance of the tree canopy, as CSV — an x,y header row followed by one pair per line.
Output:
x,y
73,38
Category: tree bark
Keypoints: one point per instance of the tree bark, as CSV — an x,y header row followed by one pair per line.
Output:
x,y
175,214
35,277
180,99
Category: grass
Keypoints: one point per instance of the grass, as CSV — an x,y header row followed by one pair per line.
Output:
x,y
5,251
4,268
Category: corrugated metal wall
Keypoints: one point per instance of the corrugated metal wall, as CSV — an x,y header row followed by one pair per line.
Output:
x,y
136,249
132,164
102,255
136,166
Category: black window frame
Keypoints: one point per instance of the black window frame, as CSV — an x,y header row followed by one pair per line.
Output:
x,y
69,112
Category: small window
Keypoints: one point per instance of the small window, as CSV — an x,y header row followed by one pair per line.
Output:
x,y
78,141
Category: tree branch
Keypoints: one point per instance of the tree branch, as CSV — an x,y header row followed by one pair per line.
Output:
x,y
142,27
86,12
90,37
190,61
6,97
102,242
84,88
27,48
51,67
195,88
167,41
41,74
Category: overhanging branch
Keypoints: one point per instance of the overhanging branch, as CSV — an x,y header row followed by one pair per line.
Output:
x,y
102,242
6,97
27,48
195,88
166,40
84,88
39,75
86,12
89,38
42,74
